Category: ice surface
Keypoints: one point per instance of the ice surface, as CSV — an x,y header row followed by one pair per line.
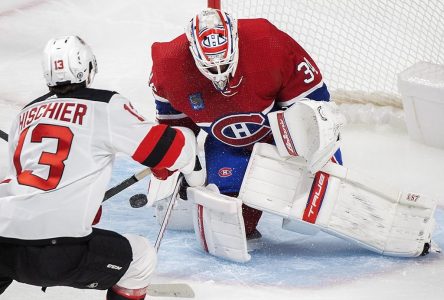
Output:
x,y
289,266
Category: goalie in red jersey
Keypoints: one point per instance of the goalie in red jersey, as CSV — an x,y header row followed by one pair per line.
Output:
x,y
225,76
272,144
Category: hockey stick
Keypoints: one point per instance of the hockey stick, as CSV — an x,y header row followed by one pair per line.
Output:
x,y
166,218
181,290
175,289
126,183
3,135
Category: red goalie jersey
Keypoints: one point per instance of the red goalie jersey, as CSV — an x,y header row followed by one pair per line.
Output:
x,y
273,72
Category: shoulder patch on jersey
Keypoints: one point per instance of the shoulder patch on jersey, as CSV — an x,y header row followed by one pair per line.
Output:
x,y
196,101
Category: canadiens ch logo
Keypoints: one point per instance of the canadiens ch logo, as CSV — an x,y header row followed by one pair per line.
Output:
x,y
225,172
240,130
214,41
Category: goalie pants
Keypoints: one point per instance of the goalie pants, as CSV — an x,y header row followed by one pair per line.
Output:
x,y
226,167
98,262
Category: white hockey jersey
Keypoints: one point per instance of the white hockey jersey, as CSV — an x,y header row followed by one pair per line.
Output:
x,y
61,155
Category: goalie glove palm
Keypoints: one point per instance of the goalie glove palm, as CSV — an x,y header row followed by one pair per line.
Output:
x,y
310,129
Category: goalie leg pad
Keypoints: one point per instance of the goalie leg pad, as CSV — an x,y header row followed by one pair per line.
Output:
x,y
340,202
218,223
389,226
281,187
181,217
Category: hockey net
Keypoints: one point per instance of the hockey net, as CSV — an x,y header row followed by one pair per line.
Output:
x,y
360,46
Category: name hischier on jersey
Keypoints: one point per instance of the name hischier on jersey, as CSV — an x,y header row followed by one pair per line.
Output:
x,y
62,111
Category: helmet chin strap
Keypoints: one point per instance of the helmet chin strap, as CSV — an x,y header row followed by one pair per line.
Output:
x,y
227,89
220,85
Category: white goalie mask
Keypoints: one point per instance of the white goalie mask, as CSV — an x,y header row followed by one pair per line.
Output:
x,y
213,39
68,60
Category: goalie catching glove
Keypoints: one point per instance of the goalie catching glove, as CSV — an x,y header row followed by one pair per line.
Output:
x,y
309,129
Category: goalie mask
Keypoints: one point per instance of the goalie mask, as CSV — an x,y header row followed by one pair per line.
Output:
x,y
68,60
214,45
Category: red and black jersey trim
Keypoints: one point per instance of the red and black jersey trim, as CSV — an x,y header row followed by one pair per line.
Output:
x,y
81,93
160,148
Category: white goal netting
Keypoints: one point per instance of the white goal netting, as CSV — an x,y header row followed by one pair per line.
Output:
x,y
359,45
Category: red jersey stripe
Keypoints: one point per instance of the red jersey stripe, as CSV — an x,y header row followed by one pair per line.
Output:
x,y
148,143
173,152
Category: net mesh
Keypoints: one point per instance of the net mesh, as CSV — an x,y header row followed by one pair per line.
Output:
x,y
360,46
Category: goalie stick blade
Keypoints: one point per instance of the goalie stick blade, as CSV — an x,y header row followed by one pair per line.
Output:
x,y
181,290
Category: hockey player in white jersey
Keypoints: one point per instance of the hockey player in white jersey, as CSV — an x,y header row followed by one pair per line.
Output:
x,y
62,147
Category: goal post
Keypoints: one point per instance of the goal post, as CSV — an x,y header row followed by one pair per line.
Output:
x,y
360,46
214,4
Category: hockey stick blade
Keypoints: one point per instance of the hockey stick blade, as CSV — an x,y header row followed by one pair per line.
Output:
x,y
3,135
181,290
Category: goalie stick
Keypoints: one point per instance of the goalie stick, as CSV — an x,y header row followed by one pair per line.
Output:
x,y
168,212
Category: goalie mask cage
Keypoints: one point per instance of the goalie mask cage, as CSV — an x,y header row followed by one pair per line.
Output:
x,y
359,45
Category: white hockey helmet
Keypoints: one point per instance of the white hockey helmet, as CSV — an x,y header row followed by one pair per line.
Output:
x,y
214,45
68,60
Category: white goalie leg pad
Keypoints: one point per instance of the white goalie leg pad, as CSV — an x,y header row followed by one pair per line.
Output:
x,y
340,202
379,217
218,223
277,185
181,217
299,227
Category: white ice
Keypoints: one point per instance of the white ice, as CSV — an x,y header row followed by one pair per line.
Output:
x,y
289,266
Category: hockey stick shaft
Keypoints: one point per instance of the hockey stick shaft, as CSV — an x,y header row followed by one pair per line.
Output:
x,y
168,212
126,183
3,135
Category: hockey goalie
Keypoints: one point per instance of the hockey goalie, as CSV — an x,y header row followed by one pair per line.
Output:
x,y
319,196
246,83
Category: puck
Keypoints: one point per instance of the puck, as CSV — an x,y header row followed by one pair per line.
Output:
x,y
138,200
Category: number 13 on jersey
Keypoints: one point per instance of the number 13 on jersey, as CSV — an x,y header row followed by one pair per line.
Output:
x,y
55,161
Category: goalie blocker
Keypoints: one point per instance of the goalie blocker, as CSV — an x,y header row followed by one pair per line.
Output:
x,y
339,201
